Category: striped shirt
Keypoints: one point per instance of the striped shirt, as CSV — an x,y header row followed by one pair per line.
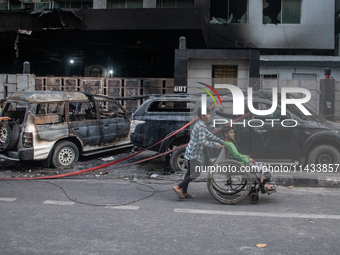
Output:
x,y
200,137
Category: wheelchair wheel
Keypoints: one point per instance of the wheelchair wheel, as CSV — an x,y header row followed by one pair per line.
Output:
x,y
254,198
228,184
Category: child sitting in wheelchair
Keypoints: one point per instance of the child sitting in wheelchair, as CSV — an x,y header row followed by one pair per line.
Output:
x,y
254,167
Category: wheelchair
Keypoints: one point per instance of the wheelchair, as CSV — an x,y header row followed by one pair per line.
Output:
x,y
230,183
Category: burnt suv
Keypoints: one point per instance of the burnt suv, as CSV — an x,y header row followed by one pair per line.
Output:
x,y
293,139
56,127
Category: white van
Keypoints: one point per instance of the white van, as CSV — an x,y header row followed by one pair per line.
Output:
x,y
56,127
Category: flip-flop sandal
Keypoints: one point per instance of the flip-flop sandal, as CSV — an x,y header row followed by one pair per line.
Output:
x,y
188,196
179,194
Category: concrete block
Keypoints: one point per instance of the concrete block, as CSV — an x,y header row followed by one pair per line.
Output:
x,y
22,82
31,82
199,73
243,73
2,84
11,78
11,88
134,83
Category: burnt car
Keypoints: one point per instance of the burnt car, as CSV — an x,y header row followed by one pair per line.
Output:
x,y
56,127
291,139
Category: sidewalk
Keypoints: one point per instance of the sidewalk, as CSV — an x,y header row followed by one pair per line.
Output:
x,y
308,179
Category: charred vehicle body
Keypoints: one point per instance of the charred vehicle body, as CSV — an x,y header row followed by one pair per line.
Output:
x,y
56,127
161,116
291,139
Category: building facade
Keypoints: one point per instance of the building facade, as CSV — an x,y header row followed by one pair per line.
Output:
x,y
225,39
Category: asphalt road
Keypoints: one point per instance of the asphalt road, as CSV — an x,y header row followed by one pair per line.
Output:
x,y
119,216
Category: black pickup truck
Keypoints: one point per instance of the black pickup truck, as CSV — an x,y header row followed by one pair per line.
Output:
x,y
293,139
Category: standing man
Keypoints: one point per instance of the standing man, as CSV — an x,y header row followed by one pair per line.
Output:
x,y
200,137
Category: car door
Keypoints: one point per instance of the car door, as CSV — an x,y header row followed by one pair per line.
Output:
x,y
115,122
84,123
272,139
163,116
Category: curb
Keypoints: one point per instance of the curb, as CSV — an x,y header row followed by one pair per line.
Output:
x,y
299,181
327,182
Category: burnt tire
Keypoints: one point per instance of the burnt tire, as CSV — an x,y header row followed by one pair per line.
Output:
x,y
65,153
14,136
177,161
324,154
9,135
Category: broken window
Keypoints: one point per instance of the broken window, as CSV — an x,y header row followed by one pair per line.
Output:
x,y
281,11
110,109
122,4
174,3
229,11
80,111
16,111
224,75
50,113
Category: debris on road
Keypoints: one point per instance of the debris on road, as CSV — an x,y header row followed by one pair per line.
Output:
x,y
261,245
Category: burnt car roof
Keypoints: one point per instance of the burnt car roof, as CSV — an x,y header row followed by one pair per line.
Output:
x,y
48,96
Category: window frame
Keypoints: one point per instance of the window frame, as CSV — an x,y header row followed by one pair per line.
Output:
x,y
244,18
280,14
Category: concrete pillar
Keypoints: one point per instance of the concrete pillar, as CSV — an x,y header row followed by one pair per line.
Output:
x,y
149,4
99,4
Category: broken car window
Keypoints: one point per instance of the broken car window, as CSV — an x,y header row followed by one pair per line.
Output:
x,y
50,113
81,111
16,111
110,109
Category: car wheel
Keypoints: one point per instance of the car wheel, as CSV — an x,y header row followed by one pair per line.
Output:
x,y
5,135
177,160
324,154
65,154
